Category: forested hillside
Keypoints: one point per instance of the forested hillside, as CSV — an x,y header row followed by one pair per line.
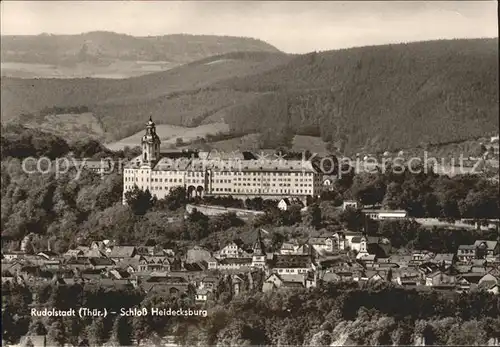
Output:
x,y
371,98
180,96
381,97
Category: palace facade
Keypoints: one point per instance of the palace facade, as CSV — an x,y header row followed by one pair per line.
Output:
x,y
218,174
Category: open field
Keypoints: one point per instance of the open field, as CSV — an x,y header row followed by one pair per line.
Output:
x,y
170,133
113,70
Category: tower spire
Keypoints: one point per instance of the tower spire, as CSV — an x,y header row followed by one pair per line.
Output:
x,y
150,143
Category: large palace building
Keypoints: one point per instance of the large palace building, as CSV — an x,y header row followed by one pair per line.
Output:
x,y
241,175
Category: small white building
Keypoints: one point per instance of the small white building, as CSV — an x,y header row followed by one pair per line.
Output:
x,y
350,204
323,244
284,204
294,248
352,240
231,250
385,214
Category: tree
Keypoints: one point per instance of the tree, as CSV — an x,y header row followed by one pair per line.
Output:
x,y
95,332
313,216
37,328
122,331
174,200
197,225
277,240
141,328
393,198
369,189
56,333
294,215
353,219
140,201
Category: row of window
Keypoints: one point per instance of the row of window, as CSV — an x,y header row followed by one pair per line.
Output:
x,y
166,189
272,185
223,173
274,179
171,180
174,180
292,271
222,189
222,181
274,191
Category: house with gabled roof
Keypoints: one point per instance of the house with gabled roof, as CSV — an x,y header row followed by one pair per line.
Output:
x,y
212,263
489,250
379,246
407,276
446,259
368,260
162,283
119,274
438,278
294,248
275,281
350,204
101,263
466,253
323,244
420,257
375,276
73,253
234,264
231,250
292,264
352,240
154,263
285,203
203,295
121,252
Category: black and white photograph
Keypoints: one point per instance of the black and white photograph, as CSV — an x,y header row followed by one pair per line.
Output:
x,y
249,173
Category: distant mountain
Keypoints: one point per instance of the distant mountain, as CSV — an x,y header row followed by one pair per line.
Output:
x,y
370,98
377,98
103,52
180,96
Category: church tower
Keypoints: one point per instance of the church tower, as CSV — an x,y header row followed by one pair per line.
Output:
x,y
258,254
150,144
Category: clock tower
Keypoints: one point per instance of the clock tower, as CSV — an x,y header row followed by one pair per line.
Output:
x,y
150,144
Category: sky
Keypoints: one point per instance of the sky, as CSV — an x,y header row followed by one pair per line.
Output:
x,y
293,27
